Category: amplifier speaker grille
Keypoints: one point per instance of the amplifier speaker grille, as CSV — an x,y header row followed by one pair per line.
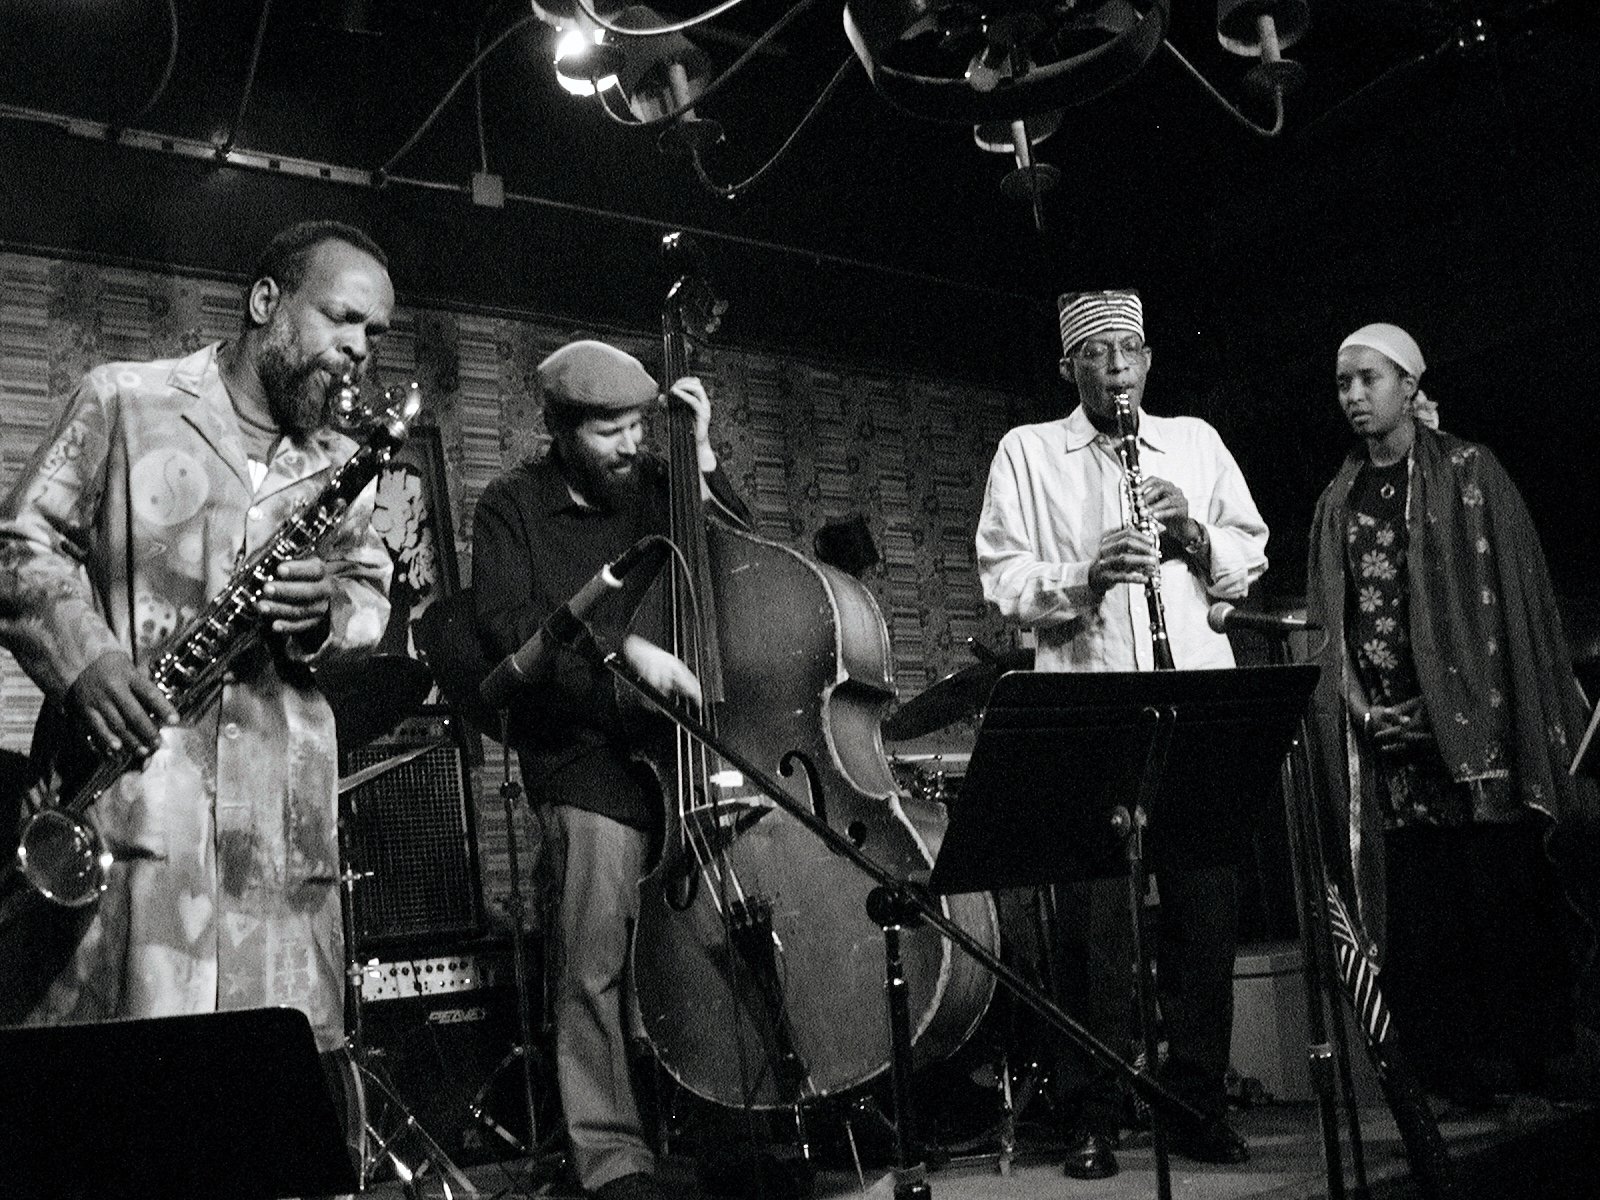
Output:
x,y
413,830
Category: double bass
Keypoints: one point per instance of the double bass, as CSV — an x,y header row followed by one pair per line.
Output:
x,y
759,975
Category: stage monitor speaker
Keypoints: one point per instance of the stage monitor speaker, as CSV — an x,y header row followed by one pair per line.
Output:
x,y
448,1058
232,1104
413,837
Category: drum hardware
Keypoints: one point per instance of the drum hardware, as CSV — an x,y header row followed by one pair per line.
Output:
x,y
958,696
543,1147
933,776
370,696
973,1100
376,1146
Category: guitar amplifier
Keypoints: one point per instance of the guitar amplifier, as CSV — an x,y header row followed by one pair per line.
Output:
x,y
442,1033
412,836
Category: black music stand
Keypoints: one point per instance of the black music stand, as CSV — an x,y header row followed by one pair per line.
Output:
x,y
217,1104
1073,773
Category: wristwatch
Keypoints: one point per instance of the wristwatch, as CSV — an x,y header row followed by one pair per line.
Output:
x,y
1199,546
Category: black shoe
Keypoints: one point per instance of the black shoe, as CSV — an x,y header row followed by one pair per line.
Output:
x,y
1089,1155
1217,1142
638,1186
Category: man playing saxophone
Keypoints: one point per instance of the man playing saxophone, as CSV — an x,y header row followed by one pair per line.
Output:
x,y
158,479
1059,549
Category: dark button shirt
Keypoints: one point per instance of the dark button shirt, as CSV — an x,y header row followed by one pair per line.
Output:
x,y
1377,619
1414,787
534,547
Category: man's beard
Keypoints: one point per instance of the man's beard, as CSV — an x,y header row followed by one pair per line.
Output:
x,y
601,487
296,397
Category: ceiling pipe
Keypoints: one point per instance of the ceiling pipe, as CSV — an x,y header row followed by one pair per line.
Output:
x,y
226,146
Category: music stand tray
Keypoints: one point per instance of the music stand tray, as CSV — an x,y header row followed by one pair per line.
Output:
x,y
1058,752
216,1104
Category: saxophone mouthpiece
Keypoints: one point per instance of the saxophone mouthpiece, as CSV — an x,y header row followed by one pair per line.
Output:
x,y
347,404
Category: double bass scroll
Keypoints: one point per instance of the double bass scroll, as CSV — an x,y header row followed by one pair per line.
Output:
x,y
759,974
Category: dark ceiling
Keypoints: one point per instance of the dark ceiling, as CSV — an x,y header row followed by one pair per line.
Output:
x,y
1439,168
350,81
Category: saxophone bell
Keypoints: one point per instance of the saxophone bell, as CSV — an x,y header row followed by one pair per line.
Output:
x,y
64,858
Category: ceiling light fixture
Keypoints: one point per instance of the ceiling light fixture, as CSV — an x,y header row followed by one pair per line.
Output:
x,y
586,62
971,61
1264,29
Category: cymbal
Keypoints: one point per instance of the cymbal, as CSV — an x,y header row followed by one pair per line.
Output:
x,y
350,782
370,696
960,694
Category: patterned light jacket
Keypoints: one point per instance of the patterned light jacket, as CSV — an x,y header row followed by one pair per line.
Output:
x,y
133,513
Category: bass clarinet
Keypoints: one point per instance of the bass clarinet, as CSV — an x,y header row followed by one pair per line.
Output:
x,y
1128,450
60,853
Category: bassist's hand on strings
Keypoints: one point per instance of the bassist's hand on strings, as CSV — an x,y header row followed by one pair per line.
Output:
x,y
116,704
692,392
661,670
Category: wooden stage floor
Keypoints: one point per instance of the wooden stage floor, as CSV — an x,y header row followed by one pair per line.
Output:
x,y
1522,1148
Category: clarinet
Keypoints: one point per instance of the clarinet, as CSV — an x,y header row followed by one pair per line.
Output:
x,y
1128,450
60,854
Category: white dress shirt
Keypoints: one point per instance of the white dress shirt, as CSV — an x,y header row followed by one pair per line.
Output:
x,y
1056,488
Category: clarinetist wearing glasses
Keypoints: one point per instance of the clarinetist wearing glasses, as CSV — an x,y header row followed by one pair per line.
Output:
x,y
1110,532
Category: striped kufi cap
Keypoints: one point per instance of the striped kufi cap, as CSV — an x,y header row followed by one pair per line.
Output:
x,y
1086,314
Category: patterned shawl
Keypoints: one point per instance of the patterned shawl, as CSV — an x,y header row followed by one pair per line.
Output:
x,y
1491,656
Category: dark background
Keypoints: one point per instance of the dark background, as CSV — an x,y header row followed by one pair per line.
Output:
x,y
1439,170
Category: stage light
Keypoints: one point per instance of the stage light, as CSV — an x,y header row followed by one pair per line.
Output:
x,y
586,62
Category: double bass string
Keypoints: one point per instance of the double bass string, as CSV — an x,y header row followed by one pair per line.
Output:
x,y
695,768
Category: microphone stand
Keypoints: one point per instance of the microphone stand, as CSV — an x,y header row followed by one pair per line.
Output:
x,y
894,905
545,1160
1328,1060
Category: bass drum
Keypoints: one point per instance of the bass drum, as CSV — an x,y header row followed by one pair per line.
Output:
x,y
1005,1061
349,1094
966,988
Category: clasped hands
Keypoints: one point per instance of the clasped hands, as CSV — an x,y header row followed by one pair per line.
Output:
x,y
116,704
1394,727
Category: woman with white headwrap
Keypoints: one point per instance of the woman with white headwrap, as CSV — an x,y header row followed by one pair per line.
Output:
x,y
1448,712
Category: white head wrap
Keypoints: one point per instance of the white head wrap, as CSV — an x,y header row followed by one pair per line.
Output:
x,y
1400,348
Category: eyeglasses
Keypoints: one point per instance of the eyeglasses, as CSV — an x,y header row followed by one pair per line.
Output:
x,y
1097,353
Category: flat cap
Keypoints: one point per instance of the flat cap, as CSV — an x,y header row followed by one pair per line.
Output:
x,y
594,375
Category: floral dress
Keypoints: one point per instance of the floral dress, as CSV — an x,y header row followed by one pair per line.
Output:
x,y
1415,787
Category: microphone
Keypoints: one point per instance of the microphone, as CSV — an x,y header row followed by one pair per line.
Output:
x,y
1224,617
523,665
